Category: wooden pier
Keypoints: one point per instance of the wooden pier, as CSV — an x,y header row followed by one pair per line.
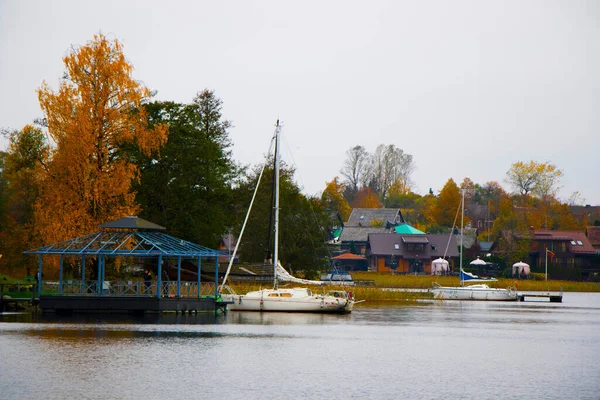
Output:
x,y
8,303
553,297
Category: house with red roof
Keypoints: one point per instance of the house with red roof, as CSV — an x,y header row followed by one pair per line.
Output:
x,y
593,234
566,249
350,262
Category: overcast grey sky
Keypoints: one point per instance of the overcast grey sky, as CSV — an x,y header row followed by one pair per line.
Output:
x,y
466,87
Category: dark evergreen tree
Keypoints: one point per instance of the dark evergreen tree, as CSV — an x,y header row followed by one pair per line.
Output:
x,y
186,186
303,222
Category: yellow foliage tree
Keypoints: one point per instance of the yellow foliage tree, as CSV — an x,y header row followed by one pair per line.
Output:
x,y
538,178
445,209
333,196
96,111
398,188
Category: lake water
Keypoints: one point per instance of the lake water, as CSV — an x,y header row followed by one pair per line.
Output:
x,y
432,350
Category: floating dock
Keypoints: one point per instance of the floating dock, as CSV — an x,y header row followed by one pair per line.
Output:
x,y
553,297
129,304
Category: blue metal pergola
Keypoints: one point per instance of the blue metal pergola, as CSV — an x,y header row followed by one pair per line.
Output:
x,y
127,237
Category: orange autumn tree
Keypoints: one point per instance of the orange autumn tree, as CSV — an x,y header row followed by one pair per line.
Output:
x,y
333,196
93,115
445,209
365,198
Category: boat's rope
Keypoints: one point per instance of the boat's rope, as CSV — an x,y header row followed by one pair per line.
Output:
x,y
239,240
453,225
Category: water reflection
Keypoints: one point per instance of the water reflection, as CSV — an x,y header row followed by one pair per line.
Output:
x,y
520,350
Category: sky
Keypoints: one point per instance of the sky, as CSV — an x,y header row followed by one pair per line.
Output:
x,y
467,87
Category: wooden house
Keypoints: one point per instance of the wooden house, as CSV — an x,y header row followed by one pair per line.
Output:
x,y
409,253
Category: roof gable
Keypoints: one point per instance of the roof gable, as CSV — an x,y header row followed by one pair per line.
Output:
x,y
406,229
132,222
366,216
593,234
578,242
359,234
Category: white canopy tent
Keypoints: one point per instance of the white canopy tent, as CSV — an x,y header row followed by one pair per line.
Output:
x,y
439,266
523,268
478,261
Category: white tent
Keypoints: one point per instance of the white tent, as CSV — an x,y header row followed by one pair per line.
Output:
x,y
439,266
522,267
478,261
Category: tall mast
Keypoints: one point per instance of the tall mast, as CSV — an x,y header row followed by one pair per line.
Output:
x,y
462,220
276,207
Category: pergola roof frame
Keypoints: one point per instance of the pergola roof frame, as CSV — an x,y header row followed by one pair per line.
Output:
x,y
114,243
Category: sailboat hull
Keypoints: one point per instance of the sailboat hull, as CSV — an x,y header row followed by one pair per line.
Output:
x,y
289,300
474,292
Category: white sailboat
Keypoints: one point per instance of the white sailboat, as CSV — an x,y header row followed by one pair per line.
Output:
x,y
299,299
466,290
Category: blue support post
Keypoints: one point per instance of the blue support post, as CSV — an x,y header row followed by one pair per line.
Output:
x,y
103,272
60,276
158,278
216,276
199,269
99,271
39,276
178,276
82,274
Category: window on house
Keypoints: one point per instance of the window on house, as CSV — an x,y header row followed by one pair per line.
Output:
x,y
396,246
580,243
573,243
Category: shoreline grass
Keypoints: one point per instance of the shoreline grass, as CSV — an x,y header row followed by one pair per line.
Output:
x,y
377,294
384,280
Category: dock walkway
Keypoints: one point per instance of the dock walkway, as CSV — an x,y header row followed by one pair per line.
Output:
x,y
553,297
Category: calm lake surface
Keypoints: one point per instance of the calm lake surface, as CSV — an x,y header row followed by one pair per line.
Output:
x,y
432,350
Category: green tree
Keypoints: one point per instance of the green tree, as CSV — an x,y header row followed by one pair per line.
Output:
x,y
186,185
19,191
303,222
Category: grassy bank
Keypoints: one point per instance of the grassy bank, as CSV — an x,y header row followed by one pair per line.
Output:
x,y
383,280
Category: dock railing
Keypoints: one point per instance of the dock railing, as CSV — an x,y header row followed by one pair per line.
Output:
x,y
126,288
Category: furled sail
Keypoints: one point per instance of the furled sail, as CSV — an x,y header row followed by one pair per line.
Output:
x,y
284,276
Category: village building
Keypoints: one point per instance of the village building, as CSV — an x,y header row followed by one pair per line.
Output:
x,y
566,249
409,253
